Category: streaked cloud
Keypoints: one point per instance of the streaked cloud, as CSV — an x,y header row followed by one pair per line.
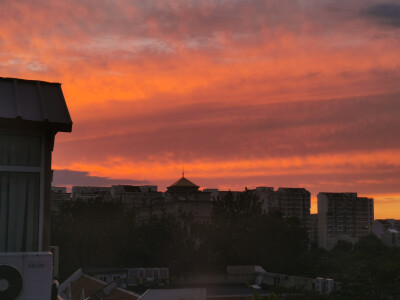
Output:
x,y
220,130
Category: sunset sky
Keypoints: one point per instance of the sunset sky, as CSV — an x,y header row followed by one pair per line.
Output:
x,y
241,93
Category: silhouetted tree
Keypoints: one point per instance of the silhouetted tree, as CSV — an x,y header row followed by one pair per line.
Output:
x,y
239,233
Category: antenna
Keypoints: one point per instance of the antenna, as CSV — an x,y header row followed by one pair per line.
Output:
x,y
183,171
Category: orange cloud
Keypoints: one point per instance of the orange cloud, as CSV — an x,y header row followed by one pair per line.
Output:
x,y
346,163
240,92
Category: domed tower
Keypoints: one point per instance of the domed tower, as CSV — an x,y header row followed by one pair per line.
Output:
x,y
183,185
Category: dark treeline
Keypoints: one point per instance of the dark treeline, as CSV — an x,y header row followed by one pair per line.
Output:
x,y
100,234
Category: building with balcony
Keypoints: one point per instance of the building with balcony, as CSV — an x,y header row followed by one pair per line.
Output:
x,y
293,202
343,216
313,230
132,197
91,193
59,197
290,202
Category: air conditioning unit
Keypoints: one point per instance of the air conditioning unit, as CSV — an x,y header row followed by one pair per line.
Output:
x,y
26,275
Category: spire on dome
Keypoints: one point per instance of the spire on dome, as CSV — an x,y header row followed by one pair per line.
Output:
x,y
183,185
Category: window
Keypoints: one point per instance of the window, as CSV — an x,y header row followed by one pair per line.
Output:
x,y
17,150
20,192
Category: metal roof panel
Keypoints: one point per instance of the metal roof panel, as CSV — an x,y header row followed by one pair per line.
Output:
x,y
29,107
7,100
33,101
55,111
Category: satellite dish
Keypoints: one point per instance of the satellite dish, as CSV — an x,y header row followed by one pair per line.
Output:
x,y
11,283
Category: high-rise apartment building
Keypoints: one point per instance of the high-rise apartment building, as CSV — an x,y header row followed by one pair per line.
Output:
x,y
313,230
293,202
290,202
343,216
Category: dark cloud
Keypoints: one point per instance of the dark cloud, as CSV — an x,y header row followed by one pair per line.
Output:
x,y
385,13
70,178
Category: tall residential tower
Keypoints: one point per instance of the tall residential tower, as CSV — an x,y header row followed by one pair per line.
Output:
x,y
343,216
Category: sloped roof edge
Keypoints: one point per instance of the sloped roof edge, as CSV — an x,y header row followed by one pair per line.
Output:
x,y
34,104
183,182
